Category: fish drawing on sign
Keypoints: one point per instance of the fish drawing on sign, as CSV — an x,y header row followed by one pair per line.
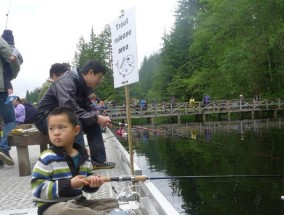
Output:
x,y
126,66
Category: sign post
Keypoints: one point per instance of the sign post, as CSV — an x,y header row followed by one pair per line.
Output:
x,y
125,63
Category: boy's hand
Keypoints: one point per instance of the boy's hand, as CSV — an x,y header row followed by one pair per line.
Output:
x,y
95,181
79,181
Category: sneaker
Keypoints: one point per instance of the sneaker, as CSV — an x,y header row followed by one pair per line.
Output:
x,y
103,165
5,156
10,98
1,164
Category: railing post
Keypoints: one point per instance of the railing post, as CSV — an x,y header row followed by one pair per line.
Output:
x,y
156,109
227,105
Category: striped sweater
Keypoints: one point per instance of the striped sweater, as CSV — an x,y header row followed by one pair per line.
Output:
x,y
52,173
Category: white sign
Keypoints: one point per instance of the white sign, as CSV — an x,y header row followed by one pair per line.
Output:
x,y
124,51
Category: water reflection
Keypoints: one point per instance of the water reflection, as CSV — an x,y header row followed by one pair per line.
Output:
x,y
216,148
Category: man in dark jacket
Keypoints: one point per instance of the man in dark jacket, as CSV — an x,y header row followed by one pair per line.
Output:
x,y
72,90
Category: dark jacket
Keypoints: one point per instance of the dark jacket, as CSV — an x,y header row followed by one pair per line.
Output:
x,y
30,113
71,91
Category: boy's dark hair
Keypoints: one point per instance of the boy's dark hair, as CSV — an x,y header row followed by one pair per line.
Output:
x,y
57,69
94,65
73,119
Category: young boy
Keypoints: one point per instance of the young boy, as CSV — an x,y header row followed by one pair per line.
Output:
x,y
8,74
59,175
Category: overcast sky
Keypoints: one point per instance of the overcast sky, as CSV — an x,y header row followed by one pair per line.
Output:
x,y
47,32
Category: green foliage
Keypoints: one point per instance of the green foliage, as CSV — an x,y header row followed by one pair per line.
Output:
x,y
221,48
32,96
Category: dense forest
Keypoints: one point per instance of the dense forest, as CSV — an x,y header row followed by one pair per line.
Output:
x,y
220,48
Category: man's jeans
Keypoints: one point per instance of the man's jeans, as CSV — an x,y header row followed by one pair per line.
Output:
x,y
94,137
96,142
7,113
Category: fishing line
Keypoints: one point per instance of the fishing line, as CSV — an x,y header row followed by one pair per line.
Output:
x,y
195,139
7,14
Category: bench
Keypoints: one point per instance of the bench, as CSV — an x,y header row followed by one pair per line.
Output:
x,y
22,137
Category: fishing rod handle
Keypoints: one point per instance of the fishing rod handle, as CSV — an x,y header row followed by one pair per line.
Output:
x,y
126,178
123,178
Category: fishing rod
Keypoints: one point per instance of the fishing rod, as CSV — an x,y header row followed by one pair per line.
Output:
x,y
188,137
144,178
7,14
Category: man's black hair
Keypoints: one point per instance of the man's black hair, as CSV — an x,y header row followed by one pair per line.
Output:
x,y
66,66
94,65
57,69
72,117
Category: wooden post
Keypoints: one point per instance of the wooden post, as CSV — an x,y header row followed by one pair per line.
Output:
x,y
23,160
275,113
129,130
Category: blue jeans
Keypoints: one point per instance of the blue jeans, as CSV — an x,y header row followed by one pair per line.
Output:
x,y
94,137
96,142
7,113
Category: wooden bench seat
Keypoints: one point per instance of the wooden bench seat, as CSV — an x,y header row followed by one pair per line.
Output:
x,y
22,137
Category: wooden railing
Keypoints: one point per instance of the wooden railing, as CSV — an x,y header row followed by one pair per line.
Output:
x,y
184,108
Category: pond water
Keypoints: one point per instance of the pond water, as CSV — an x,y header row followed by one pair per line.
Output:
x,y
247,147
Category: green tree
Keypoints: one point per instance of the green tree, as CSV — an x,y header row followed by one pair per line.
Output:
x,y
32,96
99,48
237,47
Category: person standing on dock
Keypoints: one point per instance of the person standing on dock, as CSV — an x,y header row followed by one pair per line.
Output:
x,y
73,90
9,75
7,112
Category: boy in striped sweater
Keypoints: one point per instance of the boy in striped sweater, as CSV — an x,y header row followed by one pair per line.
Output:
x,y
59,175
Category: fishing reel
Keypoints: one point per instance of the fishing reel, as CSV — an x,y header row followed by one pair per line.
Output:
x,y
129,197
129,194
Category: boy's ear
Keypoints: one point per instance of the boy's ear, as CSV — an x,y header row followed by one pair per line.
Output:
x,y
77,130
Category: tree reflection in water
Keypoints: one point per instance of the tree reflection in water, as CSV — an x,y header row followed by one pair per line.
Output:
x,y
216,148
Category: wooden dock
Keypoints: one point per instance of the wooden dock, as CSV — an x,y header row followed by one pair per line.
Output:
x,y
200,110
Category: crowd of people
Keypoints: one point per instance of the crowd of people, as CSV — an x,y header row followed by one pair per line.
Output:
x,y
65,112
